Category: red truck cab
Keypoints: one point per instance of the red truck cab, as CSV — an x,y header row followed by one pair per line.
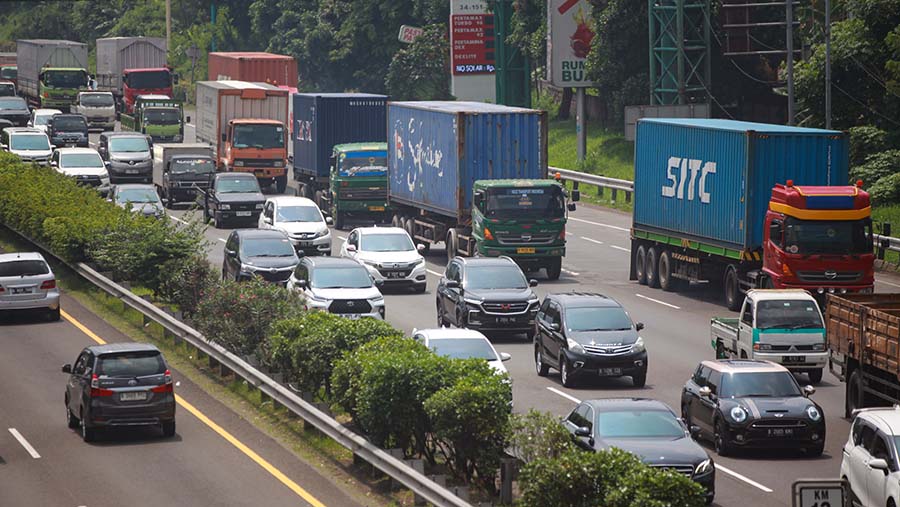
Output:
x,y
819,239
156,81
258,147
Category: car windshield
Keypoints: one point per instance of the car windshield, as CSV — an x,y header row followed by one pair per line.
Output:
x,y
612,318
29,142
463,348
65,78
267,247
148,80
131,364
775,384
65,123
788,314
193,165
495,277
237,185
817,237
344,277
298,214
136,195
80,160
399,242
258,136
43,118
364,163
545,202
9,73
638,424
12,103
162,116
7,89
128,144
97,100
23,268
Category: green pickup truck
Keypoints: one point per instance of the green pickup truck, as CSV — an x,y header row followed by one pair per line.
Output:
x,y
358,183
158,116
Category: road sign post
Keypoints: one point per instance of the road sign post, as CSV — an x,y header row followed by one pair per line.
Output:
x,y
819,493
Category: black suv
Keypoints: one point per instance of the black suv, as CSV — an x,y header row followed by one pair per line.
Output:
x,y
583,334
259,252
68,130
488,294
15,110
119,384
231,197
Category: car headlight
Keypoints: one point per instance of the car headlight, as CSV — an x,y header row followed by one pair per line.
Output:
x,y
819,347
704,467
224,206
377,299
367,262
738,414
574,346
260,205
813,413
419,261
765,346
317,299
322,233
239,163
247,267
534,300
474,302
638,345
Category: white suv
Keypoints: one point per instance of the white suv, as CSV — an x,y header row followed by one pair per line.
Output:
x,y
338,286
389,254
83,164
26,283
301,220
870,461
29,144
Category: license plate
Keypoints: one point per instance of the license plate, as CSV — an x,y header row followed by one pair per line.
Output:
x,y
376,208
133,396
352,316
793,359
304,243
506,320
525,250
610,372
21,290
781,432
394,274
131,171
243,213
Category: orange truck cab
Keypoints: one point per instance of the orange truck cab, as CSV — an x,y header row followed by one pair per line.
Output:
x,y
258,147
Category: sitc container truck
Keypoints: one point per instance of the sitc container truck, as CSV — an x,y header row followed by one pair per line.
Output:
x,y
257,67
133,66
51,72
748,205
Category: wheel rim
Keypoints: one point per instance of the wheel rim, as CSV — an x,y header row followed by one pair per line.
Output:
x,y
663,270
538,359
720,439
564,372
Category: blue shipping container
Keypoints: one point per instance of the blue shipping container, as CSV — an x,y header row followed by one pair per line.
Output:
x,y
711,180
437,150
323,120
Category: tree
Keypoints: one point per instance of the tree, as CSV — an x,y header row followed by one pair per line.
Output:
x,y
422,70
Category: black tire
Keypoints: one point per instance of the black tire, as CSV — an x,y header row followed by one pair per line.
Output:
x,y
652,268
732,289
640,264
852,400
338,220
815,376
280,187
395,221
224,272
53,315
168,429
420,289
88,434
450,244
218,223
565,376
318,199
540,366
768,283
816,451
720,440
441,321
71,421
666,282
639,380
554,268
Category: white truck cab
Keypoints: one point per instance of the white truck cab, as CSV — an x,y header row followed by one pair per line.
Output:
x,y
99,108
784,326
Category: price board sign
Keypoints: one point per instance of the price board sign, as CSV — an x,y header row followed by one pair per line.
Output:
x,y
472,43
816,493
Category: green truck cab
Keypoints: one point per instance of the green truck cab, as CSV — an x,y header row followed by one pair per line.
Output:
x,y
59,87
158,116
358,183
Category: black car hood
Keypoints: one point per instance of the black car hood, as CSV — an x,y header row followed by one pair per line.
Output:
x,y
500,295
271,262
766,407
241,197
626,337
659,451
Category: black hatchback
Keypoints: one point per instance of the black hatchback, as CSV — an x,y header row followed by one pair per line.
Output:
x,y
265,253
68,130
119,384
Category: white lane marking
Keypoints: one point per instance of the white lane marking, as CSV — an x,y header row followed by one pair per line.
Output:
x,y
564,395
34,454
658,301
620,248
743,478
892,284
570,273
343,238
222,240
190,125
601,225
592,240
435,273
178,219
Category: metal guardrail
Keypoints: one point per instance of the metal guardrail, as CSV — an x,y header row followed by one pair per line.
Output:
x,y
601,182
394,467
886,243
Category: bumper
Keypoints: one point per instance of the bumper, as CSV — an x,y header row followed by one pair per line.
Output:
x,y
50,301
150,414
594,365
794,360
104,123
263,173
377,311
185,193
403,277
177,138
518,323
125,173
81,142
312,247
233,215
756,436
370,208
525,252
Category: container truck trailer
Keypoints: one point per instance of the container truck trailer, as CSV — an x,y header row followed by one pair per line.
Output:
x,y
51,72
133,66
255,67
748,205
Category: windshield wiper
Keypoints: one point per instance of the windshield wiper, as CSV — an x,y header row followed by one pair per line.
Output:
x,y
806,326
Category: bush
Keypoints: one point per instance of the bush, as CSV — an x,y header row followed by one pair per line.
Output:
x,y
537,435
347,372
886,191
184,281
864,141
877,166
238,316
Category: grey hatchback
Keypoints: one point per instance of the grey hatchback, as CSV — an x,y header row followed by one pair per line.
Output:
x,y
119,384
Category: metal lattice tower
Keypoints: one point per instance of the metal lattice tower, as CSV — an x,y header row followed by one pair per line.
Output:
x,y
679,51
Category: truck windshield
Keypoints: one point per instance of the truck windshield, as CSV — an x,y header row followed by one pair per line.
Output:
x,y
237,185
597,319
194,165
340,278
29,142
364,163
783,314
547,202
259,136
8,73
149,79
386,243
160,116
128,145
816,237
97,100
777,384
65,78
299,214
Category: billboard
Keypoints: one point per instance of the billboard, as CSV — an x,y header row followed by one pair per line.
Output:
x,y
569,38
472,43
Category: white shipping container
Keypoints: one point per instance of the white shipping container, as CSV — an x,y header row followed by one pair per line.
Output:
x,y
116,54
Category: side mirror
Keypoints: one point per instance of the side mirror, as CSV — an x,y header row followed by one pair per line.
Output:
x,y
705,392
230,253
695,430
67,368
267,220
351,248
582,431
224,137
809,391
420,248
504,356
329,220
53,163
301,283
378,283
879,464
639,326
451,284
107,164
187,119
571,206
532,283
576,195
555,326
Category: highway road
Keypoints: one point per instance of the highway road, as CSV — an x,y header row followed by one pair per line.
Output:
x,y
677,338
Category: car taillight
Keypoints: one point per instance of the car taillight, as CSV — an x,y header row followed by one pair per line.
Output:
x,y
96,391
48,284
168,387
2,290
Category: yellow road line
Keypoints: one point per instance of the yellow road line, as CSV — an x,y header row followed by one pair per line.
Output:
x,y
250,453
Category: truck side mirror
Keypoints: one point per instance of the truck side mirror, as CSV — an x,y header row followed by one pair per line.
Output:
x,y
571,206
576,195
639,326
224,137
187,119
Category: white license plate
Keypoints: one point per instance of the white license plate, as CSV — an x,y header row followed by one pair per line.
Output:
x,y
133,396
352,316
793,359
395,274
131,171
610,372
21,290
243,213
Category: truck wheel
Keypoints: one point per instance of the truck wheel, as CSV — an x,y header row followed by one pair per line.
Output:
x,y
653,268
318,199
732,289
281,184
640,265
410,227
852,397
666,282
338,220
451,244
395,221
815,376
554,268
218,222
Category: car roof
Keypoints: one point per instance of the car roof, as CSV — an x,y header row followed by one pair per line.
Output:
x,y
290,200
64,151
381,230
887,416
616,404
23,130
111,348
486,261
744,366
584,300
779,294
235,175
132,186
47,111
123,134
21,256
71,114
330,262
445,333
260,233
